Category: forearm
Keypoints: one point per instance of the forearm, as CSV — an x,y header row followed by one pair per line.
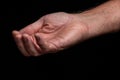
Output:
x,y
102,19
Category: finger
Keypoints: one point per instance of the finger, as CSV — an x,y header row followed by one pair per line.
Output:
x,y
41,43
30,46
32,28
18,39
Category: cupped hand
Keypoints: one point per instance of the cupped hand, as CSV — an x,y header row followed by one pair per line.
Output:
x,y
51,33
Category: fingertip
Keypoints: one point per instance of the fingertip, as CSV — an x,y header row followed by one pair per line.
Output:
x,y
25,35
37,34
15,32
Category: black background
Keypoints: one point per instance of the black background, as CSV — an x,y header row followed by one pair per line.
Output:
x,y
92,59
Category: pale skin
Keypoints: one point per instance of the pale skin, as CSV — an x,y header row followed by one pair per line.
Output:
x,y
58,31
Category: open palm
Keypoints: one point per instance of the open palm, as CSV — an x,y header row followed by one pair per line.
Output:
x,y
51,33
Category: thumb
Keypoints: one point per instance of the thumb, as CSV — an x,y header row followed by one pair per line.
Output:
x,y
32,28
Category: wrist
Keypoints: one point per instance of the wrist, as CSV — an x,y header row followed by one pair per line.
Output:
x,y
92,21
102,19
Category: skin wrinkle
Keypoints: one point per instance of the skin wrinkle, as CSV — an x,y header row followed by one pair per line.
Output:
x,y
51,27
35,44
58,43
41,43
26,42
74,28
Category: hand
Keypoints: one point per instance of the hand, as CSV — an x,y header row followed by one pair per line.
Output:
x,y
49,34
